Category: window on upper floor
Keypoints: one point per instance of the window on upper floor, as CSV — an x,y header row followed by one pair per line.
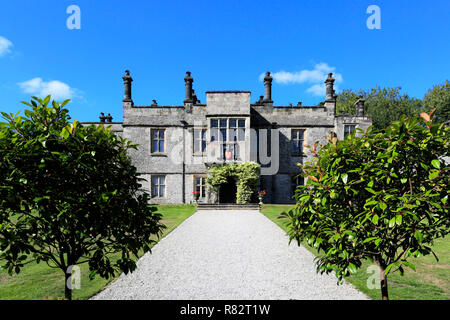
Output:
x,y
297,140
348,129
199,141
228,131
158,139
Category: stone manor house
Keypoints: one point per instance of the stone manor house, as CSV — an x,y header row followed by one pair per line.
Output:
x,y
177,144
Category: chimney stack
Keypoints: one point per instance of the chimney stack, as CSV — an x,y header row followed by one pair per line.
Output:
x,y
127,84
329,82
268,88
359,105
188,83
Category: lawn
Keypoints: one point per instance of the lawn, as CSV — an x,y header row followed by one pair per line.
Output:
x,y
430,281
38,281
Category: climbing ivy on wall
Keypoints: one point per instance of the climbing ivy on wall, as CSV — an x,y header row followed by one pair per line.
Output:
x,y
246,175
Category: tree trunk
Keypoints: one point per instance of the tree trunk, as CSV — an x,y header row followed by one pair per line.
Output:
x,y
67,290
383,281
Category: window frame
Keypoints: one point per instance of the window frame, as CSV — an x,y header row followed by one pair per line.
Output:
x,y
302,151
294,182
351,125
237,132
202,185
152,139
157,195
203,139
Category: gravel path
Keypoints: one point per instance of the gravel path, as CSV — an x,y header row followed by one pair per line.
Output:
x,y
227,255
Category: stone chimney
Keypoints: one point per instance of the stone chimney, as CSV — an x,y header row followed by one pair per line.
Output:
x,y
127,85
330,101
188,83
268,88
329,82
359,105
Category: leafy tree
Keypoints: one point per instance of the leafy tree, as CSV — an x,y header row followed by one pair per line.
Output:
x,y
69,194
382,196
345,101
439,98
384,105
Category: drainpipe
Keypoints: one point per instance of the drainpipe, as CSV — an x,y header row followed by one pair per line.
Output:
x,y
183,166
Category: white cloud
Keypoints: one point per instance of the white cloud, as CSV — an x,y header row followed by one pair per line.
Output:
x,y
317,90
315,76
57,89
5,46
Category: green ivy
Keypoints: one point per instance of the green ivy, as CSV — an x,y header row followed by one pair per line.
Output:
x,y
246,175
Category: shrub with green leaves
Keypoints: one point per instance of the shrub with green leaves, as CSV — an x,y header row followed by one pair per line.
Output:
x,y
69,194
245,174
381,196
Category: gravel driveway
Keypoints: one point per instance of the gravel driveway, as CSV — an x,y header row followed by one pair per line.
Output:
x,y
229,254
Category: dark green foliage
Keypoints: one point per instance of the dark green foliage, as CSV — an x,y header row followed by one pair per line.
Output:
x,y
245,174
439,98
69,194
381,196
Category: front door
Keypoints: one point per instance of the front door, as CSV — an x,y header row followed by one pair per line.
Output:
x,y
227,191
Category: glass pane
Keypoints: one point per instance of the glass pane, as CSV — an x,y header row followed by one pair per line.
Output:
x,y
214,123
155,146
162,180
233,135
241,123
161,191
223,123
197,134
154,191
300,134
196,146
223,134
154,134
295,146
197,181
161,134
241,134
294,134
214,135
203,145
154,180
161,146
232,123
203,134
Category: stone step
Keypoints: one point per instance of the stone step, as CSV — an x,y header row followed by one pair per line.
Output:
x,y
227,206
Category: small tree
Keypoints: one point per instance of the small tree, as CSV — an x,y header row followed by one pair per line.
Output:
x,y
439,97
382,196
69,195
384,105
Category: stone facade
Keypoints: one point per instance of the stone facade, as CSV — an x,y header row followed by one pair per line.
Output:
x,y
178,143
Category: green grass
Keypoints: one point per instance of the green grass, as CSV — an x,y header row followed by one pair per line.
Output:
x,y
430,281
38,281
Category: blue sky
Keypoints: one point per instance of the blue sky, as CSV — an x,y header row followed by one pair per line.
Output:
x,y
226,45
